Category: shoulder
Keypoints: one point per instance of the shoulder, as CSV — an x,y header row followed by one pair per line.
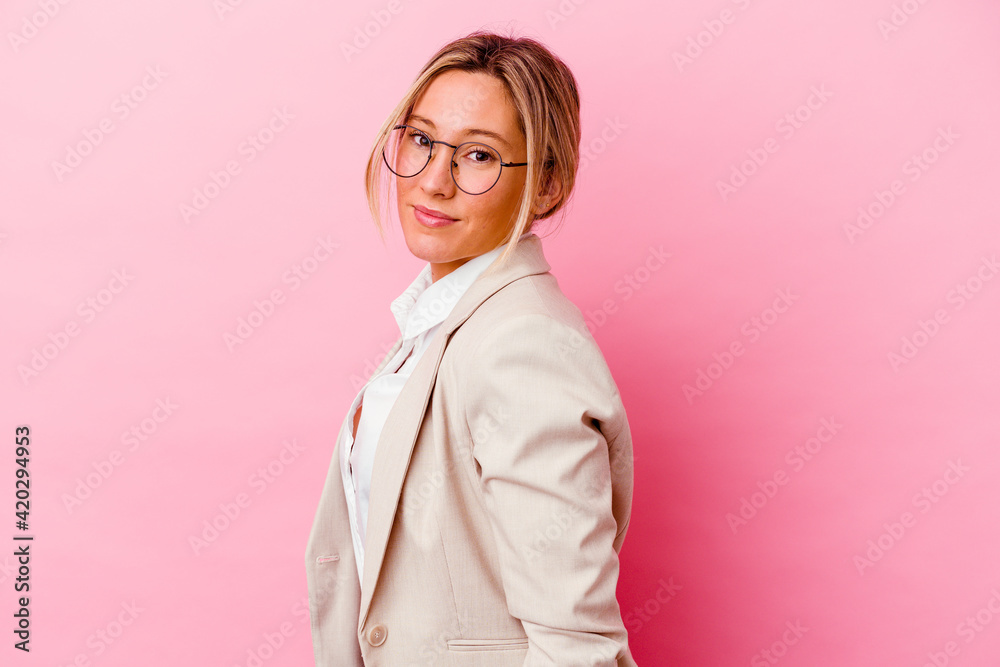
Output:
x,y
529,331
520,302
527,350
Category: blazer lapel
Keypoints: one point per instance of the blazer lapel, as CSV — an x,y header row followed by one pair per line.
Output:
x,y
399,433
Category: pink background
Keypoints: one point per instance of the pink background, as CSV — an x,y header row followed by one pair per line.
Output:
x,y
836,560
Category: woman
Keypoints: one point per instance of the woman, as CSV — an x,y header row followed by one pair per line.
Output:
x,y
481,484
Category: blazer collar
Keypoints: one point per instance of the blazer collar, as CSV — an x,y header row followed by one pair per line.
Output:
x,y
399,433
525,260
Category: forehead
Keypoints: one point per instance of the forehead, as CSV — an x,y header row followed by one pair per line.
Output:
x,y
455,101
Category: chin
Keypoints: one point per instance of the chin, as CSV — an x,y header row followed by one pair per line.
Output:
x,y
431,245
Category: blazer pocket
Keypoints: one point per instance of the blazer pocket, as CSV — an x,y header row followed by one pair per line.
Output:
x,y
488,644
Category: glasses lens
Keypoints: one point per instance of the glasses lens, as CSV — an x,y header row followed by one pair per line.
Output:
x,y
476,167
407,151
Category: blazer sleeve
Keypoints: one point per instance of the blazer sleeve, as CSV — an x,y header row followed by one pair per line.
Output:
x,y
541,406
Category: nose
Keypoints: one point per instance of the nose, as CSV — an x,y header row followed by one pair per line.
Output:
x,y
436,176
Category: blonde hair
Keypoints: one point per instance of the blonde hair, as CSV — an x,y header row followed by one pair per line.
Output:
x,y
544,94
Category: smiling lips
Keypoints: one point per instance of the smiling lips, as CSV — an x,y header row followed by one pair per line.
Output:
x,y
431,218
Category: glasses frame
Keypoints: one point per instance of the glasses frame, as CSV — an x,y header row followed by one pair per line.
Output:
x,y
452,164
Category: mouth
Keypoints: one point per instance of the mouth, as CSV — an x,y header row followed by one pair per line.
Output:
x,y
432,218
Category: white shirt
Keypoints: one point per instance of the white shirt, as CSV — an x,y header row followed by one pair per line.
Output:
x,y
419,312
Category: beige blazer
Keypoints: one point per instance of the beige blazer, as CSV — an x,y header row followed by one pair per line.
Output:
x,y
501,492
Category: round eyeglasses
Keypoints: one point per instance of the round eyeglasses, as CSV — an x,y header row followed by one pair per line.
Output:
x,y
475,167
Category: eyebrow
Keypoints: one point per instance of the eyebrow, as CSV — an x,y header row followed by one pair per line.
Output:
x,y
471,130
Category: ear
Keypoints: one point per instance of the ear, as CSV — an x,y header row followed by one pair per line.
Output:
x,y
548,196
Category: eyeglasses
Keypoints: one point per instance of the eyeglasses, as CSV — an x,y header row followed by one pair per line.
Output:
x,y
475,167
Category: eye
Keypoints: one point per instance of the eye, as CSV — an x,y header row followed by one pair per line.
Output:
x,y
481,155
416,136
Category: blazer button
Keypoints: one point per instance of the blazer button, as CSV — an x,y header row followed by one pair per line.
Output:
x,y
377,635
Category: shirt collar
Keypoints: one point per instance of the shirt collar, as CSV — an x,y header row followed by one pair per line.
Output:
x,y
425,304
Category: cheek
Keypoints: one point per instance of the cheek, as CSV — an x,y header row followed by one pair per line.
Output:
x,y
505,203
404,194
482,210
402,186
